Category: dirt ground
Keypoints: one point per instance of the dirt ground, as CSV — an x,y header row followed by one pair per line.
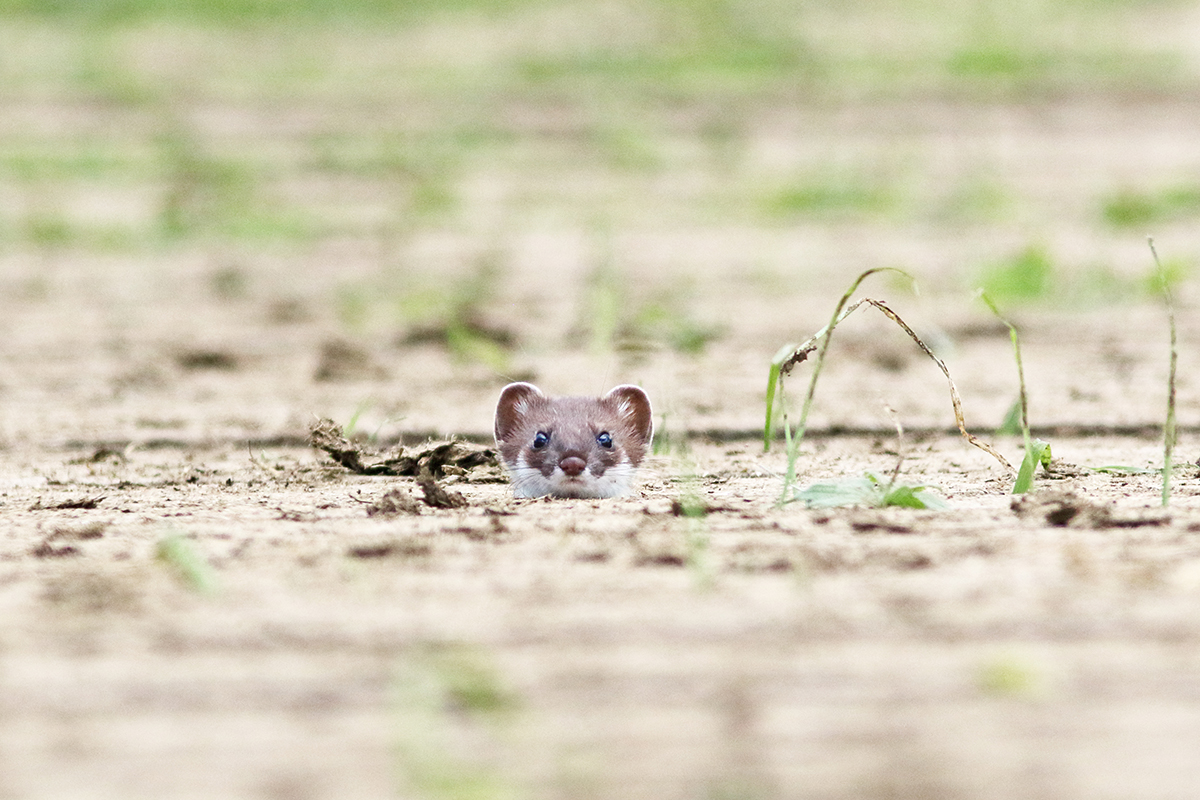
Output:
x,y
596,648
302,647
195,603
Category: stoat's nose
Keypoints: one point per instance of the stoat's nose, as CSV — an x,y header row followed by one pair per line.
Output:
x,y
572,465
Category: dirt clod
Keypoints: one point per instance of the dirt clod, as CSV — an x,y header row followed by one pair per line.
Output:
x,y
664,559
865,524
396,500
1063,507
696,508
47,550
104,453
437,496
212,360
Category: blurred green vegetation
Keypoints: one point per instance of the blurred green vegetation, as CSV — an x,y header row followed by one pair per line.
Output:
x,y
833,195
1025,275
1034,274
227,12
179,123
660,49
1129,208
615,318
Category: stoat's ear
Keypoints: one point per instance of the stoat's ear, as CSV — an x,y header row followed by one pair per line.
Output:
x,y
515,402
633,405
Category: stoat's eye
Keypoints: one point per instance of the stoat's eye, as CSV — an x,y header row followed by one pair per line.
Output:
x,y
541,440
604,439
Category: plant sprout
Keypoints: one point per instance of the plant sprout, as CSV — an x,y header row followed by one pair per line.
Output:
x,y
789,356
1036,451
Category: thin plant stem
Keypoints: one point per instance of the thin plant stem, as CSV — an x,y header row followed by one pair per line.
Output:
x,y
891,412
1016,343
1170,434
1035,452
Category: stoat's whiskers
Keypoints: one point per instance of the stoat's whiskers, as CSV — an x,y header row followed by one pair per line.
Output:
x,y
530,482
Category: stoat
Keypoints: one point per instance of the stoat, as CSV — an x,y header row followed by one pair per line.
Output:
x,y
572,446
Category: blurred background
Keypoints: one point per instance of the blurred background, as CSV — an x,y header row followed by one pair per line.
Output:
x,y
220,216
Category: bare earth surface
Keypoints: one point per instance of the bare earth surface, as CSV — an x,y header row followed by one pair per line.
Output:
x,y
196,604
622,650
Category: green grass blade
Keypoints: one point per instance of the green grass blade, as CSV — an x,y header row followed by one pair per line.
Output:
x,y
773,375
1023,397
1038,452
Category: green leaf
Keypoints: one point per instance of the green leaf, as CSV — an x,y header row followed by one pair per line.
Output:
x,y
913,497
847,492
1120,469
867,491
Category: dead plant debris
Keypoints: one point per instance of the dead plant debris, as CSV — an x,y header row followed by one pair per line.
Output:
x,y
70,503
399,500
402,548
437,460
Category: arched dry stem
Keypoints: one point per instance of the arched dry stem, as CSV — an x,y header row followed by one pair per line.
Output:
x,y
788,357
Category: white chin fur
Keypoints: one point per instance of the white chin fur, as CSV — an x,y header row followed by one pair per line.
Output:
x,y
530,482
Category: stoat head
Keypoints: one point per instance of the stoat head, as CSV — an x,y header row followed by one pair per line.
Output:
x,y
572,446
